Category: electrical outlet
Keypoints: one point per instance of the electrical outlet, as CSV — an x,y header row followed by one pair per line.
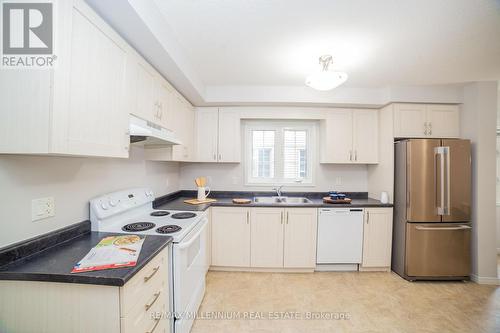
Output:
x,y
338,181
42,208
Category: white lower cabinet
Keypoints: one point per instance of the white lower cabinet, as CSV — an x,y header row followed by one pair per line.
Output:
x,y
301,228
377,238
264,237
231,236
267,230
66,307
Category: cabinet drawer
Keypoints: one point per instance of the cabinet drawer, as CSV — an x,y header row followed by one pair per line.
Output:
x,y
141,288
140,320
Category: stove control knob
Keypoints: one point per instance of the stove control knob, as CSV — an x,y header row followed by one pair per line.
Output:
x,y
112,203
104,206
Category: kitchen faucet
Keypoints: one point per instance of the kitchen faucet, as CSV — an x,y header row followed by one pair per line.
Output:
x,y
278,190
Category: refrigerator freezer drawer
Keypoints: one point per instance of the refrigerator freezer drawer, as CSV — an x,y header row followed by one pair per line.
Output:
x,y
437,250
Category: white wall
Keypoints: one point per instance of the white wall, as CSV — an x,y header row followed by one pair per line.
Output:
x,y
72,182
381,175
230,177
479,125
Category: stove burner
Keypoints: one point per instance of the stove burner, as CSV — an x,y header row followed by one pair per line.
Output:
x,y
160,213
183,215
139,226
168,229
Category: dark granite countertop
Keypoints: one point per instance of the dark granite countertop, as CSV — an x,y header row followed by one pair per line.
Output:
x,y
55,263
224,199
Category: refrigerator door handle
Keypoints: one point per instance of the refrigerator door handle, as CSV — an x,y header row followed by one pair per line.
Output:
x,y
462,227
448,181
441,208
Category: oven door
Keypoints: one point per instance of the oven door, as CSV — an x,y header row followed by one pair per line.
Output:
x,y
189,269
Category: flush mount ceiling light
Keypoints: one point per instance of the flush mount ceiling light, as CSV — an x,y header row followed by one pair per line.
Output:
x,y
326,79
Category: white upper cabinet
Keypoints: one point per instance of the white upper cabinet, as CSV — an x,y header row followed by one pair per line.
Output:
x,y
443,121
207,132
144,89
78,108
365,136
426,121
229,136
336,137
218,135
349,136
409,120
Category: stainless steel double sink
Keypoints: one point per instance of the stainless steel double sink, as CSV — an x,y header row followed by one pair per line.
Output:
x,y
282,200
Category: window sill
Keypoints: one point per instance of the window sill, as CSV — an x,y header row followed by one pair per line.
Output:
x,y
271,185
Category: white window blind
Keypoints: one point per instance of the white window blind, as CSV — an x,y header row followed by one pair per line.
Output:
x,y
279,152
294,154
263,154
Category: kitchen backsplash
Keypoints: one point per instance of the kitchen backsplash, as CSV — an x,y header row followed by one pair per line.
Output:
x,y
230,177
72,182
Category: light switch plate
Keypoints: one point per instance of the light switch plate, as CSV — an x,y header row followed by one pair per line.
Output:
x,y
42,208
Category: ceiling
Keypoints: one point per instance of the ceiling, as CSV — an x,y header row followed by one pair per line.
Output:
x,y
378,43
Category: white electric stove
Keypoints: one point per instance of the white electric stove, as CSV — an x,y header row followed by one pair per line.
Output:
x,y
131,211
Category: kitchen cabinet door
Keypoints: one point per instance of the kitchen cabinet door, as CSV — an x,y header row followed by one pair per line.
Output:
x,y
377,238
267,237
410,120
146,106
207,127
229,141
95,122
365,136
230,236
336,137
165,113
443,121
301,226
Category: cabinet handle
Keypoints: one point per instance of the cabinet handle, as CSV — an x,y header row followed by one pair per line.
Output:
x,y
215,157
157,321
356,155
220,157
287,217
148,306
281,217
147,278
248,217
367,217
350,155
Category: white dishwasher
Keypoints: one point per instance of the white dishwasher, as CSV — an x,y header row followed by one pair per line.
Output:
x,y
340,238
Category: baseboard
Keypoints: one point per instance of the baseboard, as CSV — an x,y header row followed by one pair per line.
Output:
x,y
374,269
260,270
485,280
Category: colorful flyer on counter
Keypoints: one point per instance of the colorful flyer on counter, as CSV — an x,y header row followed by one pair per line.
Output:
x,y
111,252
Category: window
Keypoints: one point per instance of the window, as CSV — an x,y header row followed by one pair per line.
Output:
x,y
279,152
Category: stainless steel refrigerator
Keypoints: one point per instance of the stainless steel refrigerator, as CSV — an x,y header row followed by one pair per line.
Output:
x,y
432,205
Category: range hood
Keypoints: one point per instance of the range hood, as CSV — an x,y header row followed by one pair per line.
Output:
x,y
149,134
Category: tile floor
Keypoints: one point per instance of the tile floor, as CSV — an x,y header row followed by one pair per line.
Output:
x,y
371,302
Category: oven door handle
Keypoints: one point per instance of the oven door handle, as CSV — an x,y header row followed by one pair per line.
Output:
x,y
182,246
